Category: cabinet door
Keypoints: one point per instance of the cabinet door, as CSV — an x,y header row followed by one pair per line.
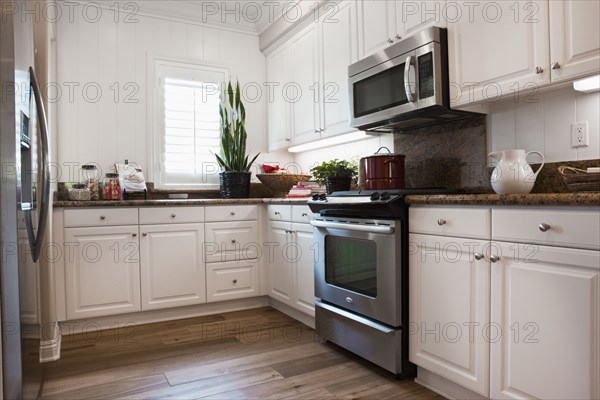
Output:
x,y
340,48
172,269
574,38
377,25
102,271
483,67
303,93
278,108
413,16
545,324
304,276
279,262
449,309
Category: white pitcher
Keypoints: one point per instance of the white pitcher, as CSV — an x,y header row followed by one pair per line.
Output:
x,y
512,174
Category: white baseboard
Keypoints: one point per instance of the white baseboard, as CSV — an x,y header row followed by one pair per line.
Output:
x,y
50,348
444,387
292,312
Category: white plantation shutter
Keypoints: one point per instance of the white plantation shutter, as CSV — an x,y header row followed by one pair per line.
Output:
x,y
188,125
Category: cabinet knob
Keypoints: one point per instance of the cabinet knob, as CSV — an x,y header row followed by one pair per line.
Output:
x,y
304,214
277,213
441,222
233,241
398,37
145,234
539,70
134,234
172,215
494,259
235,281
232,213
544,227
478,256
349,300
390,41
555,65
102,217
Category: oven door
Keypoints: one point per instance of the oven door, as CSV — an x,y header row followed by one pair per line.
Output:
x,y
358,267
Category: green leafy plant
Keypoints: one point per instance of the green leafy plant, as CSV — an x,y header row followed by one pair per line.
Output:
x,y
233,137
334,169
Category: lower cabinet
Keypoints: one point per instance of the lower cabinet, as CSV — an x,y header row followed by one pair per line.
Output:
x,y
102,271
232,280
290,258
172,269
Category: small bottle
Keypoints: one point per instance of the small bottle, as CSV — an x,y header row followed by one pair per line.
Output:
x,y
92,180
112,187
79,192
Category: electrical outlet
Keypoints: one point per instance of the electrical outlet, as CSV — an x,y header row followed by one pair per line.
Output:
x,y
579,134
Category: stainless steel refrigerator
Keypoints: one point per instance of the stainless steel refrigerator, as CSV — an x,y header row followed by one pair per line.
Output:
x,y
24,188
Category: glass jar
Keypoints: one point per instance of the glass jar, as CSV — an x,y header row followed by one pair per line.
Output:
x,y
112,187
79,192
91,180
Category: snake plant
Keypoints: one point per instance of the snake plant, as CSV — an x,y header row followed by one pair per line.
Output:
x,y
233,137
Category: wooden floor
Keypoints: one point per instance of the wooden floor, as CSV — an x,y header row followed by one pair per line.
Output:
x,y
253,354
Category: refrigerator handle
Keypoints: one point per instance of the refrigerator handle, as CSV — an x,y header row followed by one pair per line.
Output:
x,y
35,241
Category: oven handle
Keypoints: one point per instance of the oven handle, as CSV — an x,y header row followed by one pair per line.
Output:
x,y
354,317
353,227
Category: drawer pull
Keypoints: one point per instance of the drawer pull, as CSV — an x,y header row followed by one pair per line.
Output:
x,y
173,215
349,300
234,281
233,241
494,259
232,213
441,222
304,214
544,227
478,256
145,234
102,217
134,234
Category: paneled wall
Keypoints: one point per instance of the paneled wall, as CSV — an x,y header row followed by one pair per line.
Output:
x,y
544,124
104,111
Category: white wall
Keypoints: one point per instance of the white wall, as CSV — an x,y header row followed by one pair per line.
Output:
x,y
545,124
104,54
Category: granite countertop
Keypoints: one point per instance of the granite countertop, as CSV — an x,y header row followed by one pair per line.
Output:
x,y
173,202
533,199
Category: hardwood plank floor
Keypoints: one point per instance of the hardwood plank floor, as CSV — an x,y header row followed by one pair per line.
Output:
x,y
251,354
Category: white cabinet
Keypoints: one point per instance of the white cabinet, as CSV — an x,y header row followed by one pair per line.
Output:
x,y
278,107
291,261
574,39
172,268
232,252
384,22
102,271
449,298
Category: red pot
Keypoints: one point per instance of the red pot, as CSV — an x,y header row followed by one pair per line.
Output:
x,y
382,171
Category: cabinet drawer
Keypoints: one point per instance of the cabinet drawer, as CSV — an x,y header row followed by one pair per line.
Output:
x,y
570,228
171,215
450,221
231,280
231,241
100,217
231,213
280,212
302,214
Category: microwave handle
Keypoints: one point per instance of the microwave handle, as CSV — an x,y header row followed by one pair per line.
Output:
x,y
410,95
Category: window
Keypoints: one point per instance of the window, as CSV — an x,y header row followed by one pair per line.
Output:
x,y
187,122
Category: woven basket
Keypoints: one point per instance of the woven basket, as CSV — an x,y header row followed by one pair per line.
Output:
x,y
235,185
280,184
579,180
337,184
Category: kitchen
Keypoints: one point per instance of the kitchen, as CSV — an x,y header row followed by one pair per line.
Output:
x,y
101,64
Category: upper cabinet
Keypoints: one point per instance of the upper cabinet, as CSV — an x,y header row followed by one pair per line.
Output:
x,y
502,49
574,39
384,22
309,74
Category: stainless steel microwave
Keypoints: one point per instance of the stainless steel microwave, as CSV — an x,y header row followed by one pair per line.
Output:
x,y
404,86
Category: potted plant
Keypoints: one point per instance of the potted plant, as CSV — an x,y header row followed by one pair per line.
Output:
x,y
337,175
233,160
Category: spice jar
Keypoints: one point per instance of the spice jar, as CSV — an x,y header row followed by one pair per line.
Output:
x,y
79,192
91,180
112,187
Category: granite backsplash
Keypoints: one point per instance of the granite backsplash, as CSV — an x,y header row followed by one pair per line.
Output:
x,y
454,155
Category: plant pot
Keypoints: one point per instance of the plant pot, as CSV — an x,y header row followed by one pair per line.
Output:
x,y
235,185
337,184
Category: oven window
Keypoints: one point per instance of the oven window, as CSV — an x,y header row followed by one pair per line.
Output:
x,y
351,264
380,92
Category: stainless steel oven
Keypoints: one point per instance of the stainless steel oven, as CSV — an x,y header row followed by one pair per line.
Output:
x,y
358,269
